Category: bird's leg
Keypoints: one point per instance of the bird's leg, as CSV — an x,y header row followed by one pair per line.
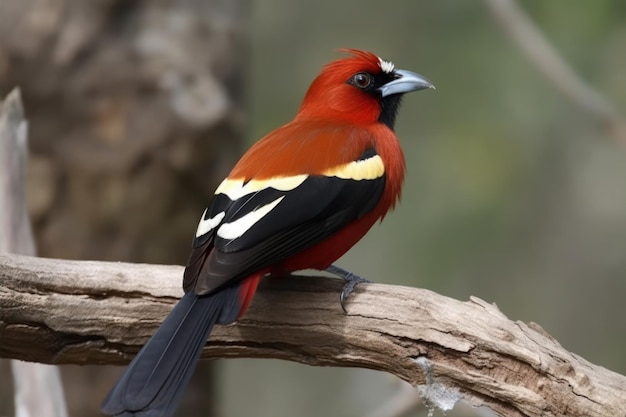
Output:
x,y
351,281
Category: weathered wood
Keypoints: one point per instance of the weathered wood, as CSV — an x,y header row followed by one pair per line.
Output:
x,y
15,231
38,388
57,311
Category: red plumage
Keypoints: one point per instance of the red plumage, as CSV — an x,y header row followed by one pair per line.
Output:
x,y
298,199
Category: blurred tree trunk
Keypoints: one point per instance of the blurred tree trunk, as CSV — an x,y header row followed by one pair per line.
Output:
x,y
135,114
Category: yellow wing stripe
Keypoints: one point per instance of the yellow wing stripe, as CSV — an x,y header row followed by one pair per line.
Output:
x,y
235,188
364,169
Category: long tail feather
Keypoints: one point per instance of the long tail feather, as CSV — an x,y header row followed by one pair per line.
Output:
x,y
155,380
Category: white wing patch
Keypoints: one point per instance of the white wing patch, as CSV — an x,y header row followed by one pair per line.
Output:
x,y
386,66
235,188
206,225
240,226
364,169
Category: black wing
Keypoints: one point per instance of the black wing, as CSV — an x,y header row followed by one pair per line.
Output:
x,y
259,229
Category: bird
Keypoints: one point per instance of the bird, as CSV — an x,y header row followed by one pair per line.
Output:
x,y
299,198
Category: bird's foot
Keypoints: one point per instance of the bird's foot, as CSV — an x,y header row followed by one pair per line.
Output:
x,y
352,280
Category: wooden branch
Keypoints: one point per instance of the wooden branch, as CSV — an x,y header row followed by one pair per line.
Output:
x,y
80,312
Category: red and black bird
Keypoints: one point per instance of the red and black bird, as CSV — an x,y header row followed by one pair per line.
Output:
x,y
298,199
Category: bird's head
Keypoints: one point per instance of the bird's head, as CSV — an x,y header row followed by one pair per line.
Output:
x,y
362,88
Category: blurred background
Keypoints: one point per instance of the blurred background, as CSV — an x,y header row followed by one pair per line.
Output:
x,y
514,192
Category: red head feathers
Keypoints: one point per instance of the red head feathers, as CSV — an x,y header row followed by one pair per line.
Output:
x,y
332,93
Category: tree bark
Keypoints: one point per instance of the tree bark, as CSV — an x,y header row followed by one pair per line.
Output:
x,y
56,311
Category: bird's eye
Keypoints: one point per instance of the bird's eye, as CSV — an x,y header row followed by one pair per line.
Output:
x,y
362,80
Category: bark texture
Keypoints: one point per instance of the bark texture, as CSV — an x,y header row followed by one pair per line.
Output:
x,y
56,311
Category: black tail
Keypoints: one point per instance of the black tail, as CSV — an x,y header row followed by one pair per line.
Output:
x,y
156,378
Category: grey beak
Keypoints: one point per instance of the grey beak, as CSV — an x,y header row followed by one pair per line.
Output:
x,y
405,82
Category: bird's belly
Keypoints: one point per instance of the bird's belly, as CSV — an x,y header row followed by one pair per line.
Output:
x,y
321,255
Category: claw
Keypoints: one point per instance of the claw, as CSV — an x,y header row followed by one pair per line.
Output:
x,y
348,288
352,280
